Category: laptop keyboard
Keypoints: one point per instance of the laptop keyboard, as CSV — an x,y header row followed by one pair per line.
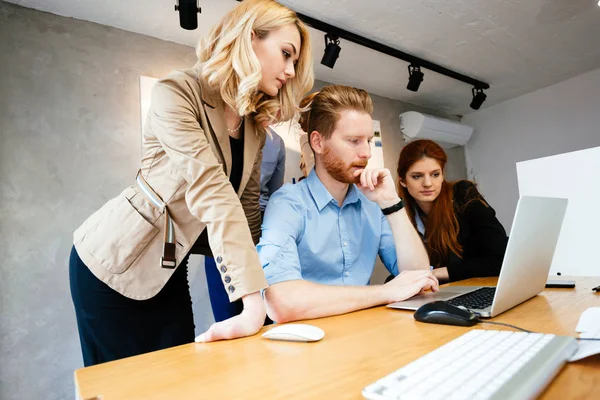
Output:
x,y
479,299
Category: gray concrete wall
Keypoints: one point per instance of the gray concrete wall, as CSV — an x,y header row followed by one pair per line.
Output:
x,y
70,140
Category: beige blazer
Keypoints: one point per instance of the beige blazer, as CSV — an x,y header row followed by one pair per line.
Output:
x,y
186,158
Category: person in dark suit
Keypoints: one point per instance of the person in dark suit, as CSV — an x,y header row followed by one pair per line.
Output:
x,y
462,235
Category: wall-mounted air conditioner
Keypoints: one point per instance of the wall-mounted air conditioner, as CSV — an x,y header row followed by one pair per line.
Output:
x,y
415,125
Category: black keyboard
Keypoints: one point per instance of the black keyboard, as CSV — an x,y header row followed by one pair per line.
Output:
x,y
476,300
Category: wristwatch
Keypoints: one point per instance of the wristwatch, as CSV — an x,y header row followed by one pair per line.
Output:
x,y
392,209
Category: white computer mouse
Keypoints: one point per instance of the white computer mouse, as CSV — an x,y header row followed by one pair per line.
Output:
x,y
295,333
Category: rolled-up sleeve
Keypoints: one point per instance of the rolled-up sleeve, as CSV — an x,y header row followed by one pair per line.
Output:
x,y
387,247
282,228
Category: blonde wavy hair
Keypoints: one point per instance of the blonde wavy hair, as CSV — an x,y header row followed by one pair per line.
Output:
x,y
231,66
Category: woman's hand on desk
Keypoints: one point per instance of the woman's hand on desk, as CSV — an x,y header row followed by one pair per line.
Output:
x,y
410,283
246,324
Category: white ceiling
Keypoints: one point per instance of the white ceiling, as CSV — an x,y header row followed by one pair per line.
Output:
x,y
517,46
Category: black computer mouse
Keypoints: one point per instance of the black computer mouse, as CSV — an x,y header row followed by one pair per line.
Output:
x,y
440,312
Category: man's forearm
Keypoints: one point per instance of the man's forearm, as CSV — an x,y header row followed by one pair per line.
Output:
x,y
409,247
299,299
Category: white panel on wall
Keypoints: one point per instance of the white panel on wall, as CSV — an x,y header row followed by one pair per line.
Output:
x,y
575,176
376,160
290,133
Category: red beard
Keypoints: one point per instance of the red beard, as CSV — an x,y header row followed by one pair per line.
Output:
x,y
339,170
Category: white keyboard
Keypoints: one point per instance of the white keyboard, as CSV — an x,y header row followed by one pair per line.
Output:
x,y
481,364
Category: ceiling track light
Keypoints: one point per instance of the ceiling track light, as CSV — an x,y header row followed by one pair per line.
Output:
x,y
188,13
415,77
332,50
478,98
390,51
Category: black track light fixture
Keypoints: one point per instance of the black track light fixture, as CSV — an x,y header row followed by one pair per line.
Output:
x,y
188,13
415,77
478,98
332,50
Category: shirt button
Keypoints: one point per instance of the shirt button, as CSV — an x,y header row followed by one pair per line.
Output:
x,y
231,289
223,268
346,273
227,279
219,259
345,244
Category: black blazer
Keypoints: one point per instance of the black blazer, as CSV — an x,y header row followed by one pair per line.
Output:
x,y
482,237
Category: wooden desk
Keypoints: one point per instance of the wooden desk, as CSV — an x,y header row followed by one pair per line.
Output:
x,y
358,349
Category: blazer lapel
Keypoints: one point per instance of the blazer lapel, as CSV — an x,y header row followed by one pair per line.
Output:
x,y
213,106
251,144
216,117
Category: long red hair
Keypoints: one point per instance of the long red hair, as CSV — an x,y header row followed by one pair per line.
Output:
x,y
441,226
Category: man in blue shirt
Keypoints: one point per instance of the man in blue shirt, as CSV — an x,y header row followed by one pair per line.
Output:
x,y
272,168
320,237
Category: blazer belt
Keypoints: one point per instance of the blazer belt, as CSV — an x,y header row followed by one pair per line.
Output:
x,y
168,258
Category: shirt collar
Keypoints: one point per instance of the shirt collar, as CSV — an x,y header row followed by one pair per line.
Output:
x,y
322,196
352,196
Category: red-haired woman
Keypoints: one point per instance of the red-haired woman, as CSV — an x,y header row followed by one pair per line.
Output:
x,y
462,235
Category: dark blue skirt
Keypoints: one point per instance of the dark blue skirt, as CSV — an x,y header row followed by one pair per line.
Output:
x,y
112,326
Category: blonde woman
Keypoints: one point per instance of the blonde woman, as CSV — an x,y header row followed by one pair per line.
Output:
x,y
199,174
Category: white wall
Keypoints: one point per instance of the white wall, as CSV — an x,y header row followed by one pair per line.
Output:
x,y
557,119
578,173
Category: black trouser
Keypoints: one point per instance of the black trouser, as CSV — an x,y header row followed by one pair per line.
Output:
x,y
112,326
219,300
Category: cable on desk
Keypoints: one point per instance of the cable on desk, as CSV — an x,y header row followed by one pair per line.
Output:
x,y
503,324
525,330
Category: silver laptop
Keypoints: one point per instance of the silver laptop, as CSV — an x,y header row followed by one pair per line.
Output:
x,y
531,244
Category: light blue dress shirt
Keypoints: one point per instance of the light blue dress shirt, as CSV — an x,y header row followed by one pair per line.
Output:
x,y
306,235
272,168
